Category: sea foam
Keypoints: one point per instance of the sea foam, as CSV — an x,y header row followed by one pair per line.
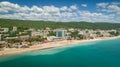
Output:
x,y
57,49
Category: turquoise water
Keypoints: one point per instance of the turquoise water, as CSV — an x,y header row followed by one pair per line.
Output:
x,y
93,54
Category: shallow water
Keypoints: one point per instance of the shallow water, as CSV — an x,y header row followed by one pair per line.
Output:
x,y
93,54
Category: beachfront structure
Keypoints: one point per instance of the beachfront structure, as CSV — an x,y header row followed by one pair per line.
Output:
x,y
47,28
71,29
0,36
22,32
51,38
61,33
31,29
4,29
23,37
103,33
9,38
91,34
42,33
14,28
35,33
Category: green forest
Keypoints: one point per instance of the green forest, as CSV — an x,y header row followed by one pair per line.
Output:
x,y
53,25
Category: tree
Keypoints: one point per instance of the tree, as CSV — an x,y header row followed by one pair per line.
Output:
x,y
14,41
80,36
74,34
51,34
35,39
114,33
1,47
25,24
98,33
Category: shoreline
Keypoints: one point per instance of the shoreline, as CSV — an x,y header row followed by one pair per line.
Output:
x,y
55,44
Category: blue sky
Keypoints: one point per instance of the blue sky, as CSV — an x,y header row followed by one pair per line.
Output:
x,y
61,10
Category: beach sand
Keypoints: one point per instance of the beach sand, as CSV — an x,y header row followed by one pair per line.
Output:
x,y
9,51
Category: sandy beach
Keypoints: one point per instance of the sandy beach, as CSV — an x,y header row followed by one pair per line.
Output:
x,y
9,51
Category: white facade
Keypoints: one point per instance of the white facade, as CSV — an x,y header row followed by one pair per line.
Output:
x,y
36,33
61,33
42,33
4,29
14,28
0,37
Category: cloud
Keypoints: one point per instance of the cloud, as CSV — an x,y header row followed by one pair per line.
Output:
x,y
52,13
115,3
110,7
84,5
96,17
64,8
70,8
33,9
50,9
103,5
73,7
113,8
7,6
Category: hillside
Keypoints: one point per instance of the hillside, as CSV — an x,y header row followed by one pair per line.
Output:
x,y
44,24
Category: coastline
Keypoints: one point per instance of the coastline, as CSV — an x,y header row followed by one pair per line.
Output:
x,y
13,51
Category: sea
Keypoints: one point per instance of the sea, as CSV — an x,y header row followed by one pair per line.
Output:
x,y
91,54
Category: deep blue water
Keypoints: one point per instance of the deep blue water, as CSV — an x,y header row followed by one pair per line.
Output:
x,y
93,54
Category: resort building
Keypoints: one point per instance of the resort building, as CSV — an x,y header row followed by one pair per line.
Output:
x,y
4,29
14,28
61,33
9,38
0,36
23,37
47,28
51,38
42,33
31,29
71,29
35,33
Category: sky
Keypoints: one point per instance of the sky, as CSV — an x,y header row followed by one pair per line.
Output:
x,y
61,10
